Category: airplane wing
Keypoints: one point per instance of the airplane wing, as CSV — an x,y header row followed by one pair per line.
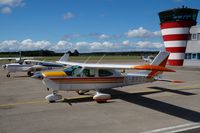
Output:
x,y
90,65
161,56
33,61
118,66
15,58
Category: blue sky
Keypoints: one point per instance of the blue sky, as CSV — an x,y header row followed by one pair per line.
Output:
x,y
86,25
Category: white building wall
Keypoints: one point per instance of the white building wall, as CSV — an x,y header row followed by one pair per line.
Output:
x,y
193,47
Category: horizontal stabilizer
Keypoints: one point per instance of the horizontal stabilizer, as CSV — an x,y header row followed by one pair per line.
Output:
x,y
167,80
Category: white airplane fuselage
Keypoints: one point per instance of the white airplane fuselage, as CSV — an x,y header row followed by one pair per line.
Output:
x,y
69,83
16,67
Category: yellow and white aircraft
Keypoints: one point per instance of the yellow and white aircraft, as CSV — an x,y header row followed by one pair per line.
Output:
x,y
82,77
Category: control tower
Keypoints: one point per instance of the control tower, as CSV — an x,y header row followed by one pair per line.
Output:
x,y
175,25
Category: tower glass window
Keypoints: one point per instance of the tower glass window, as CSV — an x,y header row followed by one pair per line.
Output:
x,y
179,14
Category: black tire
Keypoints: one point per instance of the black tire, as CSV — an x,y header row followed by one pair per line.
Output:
x,y
29,73
80,93
52,101
101,102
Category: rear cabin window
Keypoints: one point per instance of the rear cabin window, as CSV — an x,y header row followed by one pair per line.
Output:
x,y
89,72
105,73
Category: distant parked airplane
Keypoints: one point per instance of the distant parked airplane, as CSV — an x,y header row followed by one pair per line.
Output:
x,y
31,66
148,58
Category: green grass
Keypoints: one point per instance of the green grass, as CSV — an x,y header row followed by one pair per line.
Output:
x,y
92,58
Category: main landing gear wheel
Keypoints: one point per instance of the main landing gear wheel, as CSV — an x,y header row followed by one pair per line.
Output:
x,y
101,97
29,73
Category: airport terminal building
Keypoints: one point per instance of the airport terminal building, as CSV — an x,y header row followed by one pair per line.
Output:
x,y
192,53
181,36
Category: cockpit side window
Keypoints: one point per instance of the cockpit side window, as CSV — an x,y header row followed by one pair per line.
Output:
x,y
70,71
105,73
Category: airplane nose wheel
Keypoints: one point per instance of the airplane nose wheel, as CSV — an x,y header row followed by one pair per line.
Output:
x,y
82,92
53,97
8,75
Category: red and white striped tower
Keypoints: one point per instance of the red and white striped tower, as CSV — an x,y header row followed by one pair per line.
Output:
x,y
175,25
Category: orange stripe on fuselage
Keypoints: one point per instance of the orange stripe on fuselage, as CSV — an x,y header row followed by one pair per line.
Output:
x,y
94,80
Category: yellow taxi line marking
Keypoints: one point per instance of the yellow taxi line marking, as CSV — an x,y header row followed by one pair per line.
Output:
x,y
22,103
42,101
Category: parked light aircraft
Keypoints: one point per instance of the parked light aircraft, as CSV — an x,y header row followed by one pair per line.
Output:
x,y
148,58
31,66
82,77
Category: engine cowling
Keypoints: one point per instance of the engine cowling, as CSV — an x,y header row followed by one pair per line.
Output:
x,y
101,97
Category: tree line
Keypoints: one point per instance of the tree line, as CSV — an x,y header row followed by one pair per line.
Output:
x,y
75,53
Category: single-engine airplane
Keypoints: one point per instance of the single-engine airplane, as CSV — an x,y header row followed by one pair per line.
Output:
x,y
147,58
31,66
82,77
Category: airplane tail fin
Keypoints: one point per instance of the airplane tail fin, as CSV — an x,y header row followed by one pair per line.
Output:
x,y
161,61
65,57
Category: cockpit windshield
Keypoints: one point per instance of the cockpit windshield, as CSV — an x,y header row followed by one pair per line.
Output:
x,y
71,71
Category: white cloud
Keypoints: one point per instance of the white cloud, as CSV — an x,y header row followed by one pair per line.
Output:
x,y
68,16
6,10
126,42
104,36
148,44
142,32
61,46
28,44
8,5
12,3
64,46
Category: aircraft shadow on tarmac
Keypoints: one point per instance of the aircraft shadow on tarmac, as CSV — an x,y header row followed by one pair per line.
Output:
x,y
21,76
140,99
172,91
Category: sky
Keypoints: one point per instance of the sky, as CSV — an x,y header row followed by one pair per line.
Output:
x,y
85,25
